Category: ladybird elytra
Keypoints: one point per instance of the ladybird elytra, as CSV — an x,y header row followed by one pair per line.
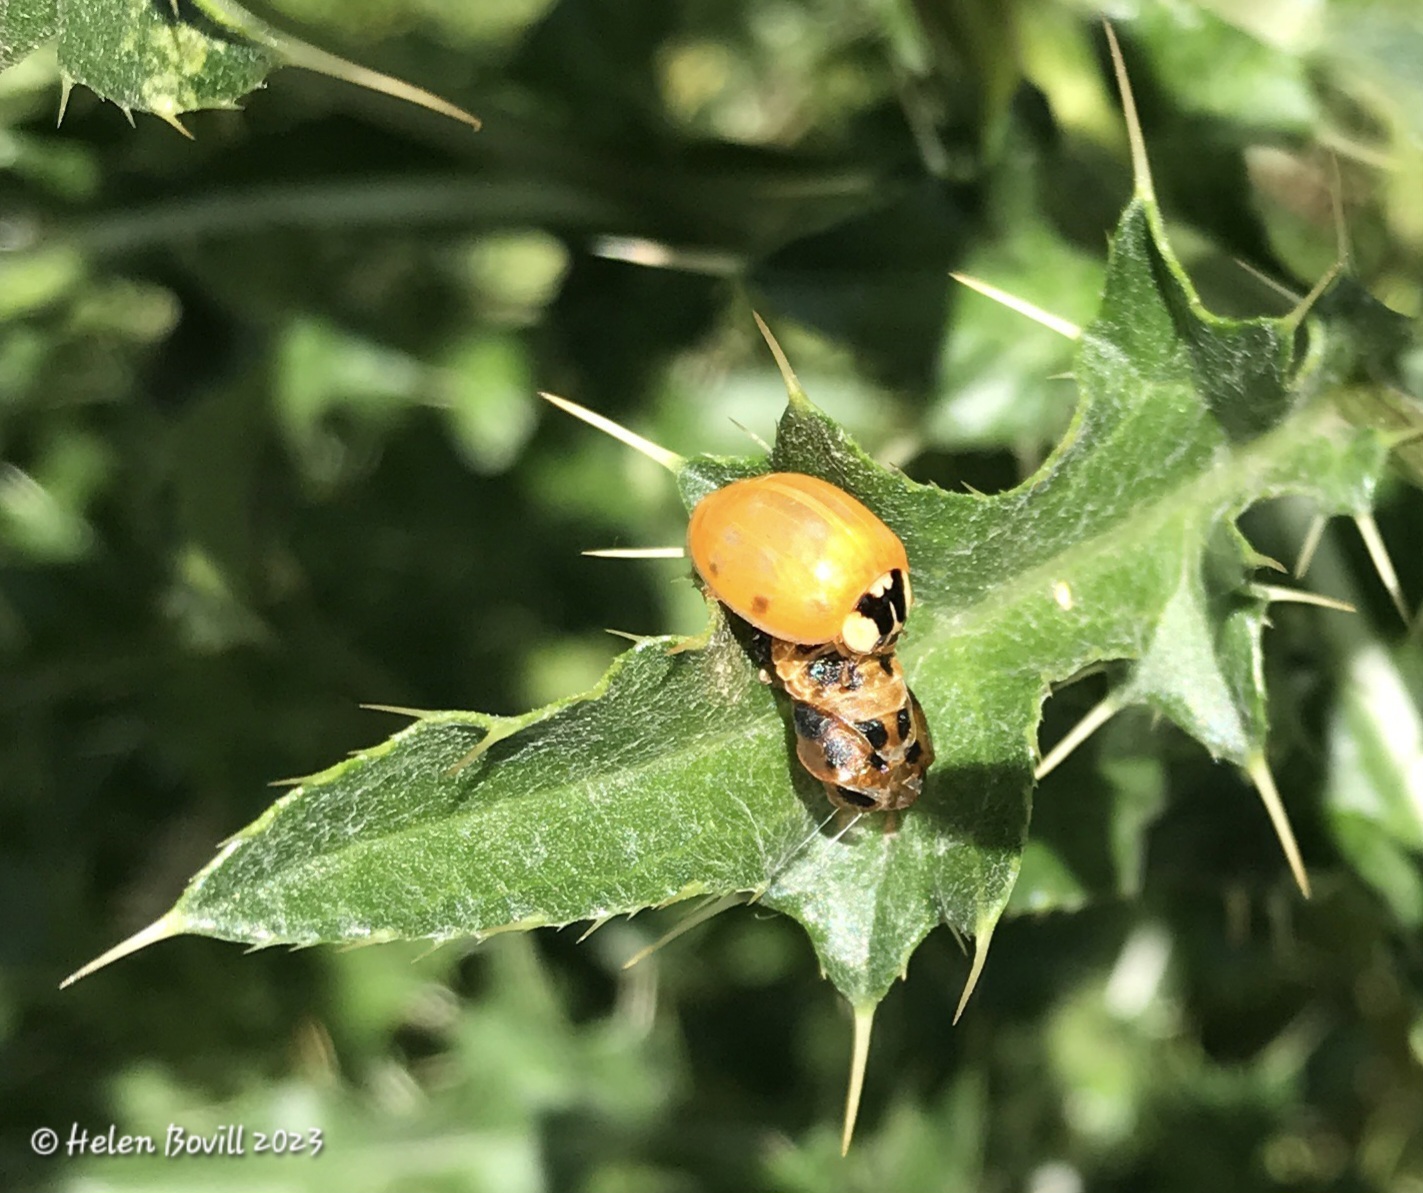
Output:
x,y
802,561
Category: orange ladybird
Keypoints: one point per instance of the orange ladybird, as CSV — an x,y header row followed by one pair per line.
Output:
x,y
802,561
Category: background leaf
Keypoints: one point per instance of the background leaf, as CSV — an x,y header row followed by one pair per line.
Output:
x,y
169,58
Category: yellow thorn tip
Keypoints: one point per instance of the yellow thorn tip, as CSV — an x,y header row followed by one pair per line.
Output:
x,y
1062,327
655,452
1259,771
793,386
638,553
1140,166
1096,717
864,1025
1302,308
713,906
1273,593
982,939
1312,538
1373,540
416,714
169,925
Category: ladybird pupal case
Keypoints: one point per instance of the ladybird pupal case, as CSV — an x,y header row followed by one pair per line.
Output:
x,y
859,729
802,561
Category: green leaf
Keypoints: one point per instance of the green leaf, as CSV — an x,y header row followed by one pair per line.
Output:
x,y
168,58
677,777
25,25
140,56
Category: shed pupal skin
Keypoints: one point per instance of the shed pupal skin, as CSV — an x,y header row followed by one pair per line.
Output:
x,y
859,729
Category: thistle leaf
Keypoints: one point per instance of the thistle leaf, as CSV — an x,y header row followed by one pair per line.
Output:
x,y
677,776
169,59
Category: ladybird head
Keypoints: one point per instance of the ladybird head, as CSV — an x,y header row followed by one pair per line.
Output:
x,y
879,615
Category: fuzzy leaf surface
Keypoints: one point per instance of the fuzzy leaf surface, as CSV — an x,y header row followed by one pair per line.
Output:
x,y
137,53
24,26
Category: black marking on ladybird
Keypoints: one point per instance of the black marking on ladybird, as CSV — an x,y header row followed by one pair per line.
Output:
x,y
887,610
759,604
852,680
886,664
878,762
903,723
911,755
878,610
858,798
895,596
810,722
875,733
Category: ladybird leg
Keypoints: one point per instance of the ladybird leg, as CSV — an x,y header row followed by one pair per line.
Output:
x,y
854,820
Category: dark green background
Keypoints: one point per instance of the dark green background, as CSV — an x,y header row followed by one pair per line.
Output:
x,y
270,451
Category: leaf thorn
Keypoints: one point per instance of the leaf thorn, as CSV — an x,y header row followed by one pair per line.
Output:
x,y
637,553
859,1059
415,714
66,89
1341,224
298,53
1052,322
629,636
172,121
161,929
656,453
958,939
1303,307
433,947
1140,166
1373,540
657,254
595,925
1098,716
713,906
1312,538
1259,771
1299,596
982,939
750,434
496,733
1267,281
794,390
1265,561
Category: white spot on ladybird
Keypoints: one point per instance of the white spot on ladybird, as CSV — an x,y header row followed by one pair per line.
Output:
x,y
859,633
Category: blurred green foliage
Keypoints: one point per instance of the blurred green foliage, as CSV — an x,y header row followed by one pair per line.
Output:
x,y
269,451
